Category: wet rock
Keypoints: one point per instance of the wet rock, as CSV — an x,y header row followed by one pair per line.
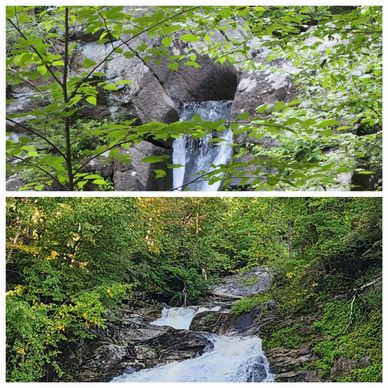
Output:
x,y
250,282
244,321
257,372
129,342
287,364
209,82
175,345
217,322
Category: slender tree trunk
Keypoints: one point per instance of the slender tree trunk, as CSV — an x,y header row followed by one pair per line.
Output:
x,y
69,162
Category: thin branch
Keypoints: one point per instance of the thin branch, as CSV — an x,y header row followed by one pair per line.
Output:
x,y
27,81
263,125
36,52
39,135
41,169
122,141
84,79
193,181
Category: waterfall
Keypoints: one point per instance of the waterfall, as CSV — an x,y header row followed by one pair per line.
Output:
x,y
199,155
180,317
232,358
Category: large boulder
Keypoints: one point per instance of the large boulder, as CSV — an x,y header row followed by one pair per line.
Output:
x,y
217,322
250,282
138,175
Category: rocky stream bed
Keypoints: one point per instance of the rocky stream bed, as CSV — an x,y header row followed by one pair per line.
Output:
x,y
155,342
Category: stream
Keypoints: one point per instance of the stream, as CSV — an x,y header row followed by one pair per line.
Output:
x,y
199,155
230,358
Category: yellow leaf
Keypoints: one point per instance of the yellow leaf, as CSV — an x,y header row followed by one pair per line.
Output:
x,y
21,351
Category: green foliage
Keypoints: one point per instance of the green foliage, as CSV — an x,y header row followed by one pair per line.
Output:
x,y
248,304
287,337
354,334
341,243
35,330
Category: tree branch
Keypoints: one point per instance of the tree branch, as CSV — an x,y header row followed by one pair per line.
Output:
x,y
29,83
41,169
122,141
48,141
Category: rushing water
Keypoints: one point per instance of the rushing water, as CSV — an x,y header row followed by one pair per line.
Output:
x,y
199,155
232,358
180,318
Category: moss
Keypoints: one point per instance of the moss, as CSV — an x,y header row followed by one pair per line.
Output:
x,y
250,281
248,304
372,373
354,335
287,337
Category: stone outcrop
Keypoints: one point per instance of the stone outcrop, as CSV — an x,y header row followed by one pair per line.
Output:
x,y
287,364
251,282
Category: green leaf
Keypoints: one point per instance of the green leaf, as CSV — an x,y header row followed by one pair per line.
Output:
x,y
192,64
154,159
243,116
124,82
159,173
328,123
88,62
166,41
175,165
42,69
189,38
91,100
110,87
173,66
99,181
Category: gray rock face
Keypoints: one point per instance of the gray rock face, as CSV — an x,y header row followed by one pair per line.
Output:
x,y
344,365
14,183
138,175
287,364
251,282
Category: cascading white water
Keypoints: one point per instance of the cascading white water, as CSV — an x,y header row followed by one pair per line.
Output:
x,y
180,318
199,155
232,358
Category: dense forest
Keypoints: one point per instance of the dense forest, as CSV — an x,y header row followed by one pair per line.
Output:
x,y
95,97
73,262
